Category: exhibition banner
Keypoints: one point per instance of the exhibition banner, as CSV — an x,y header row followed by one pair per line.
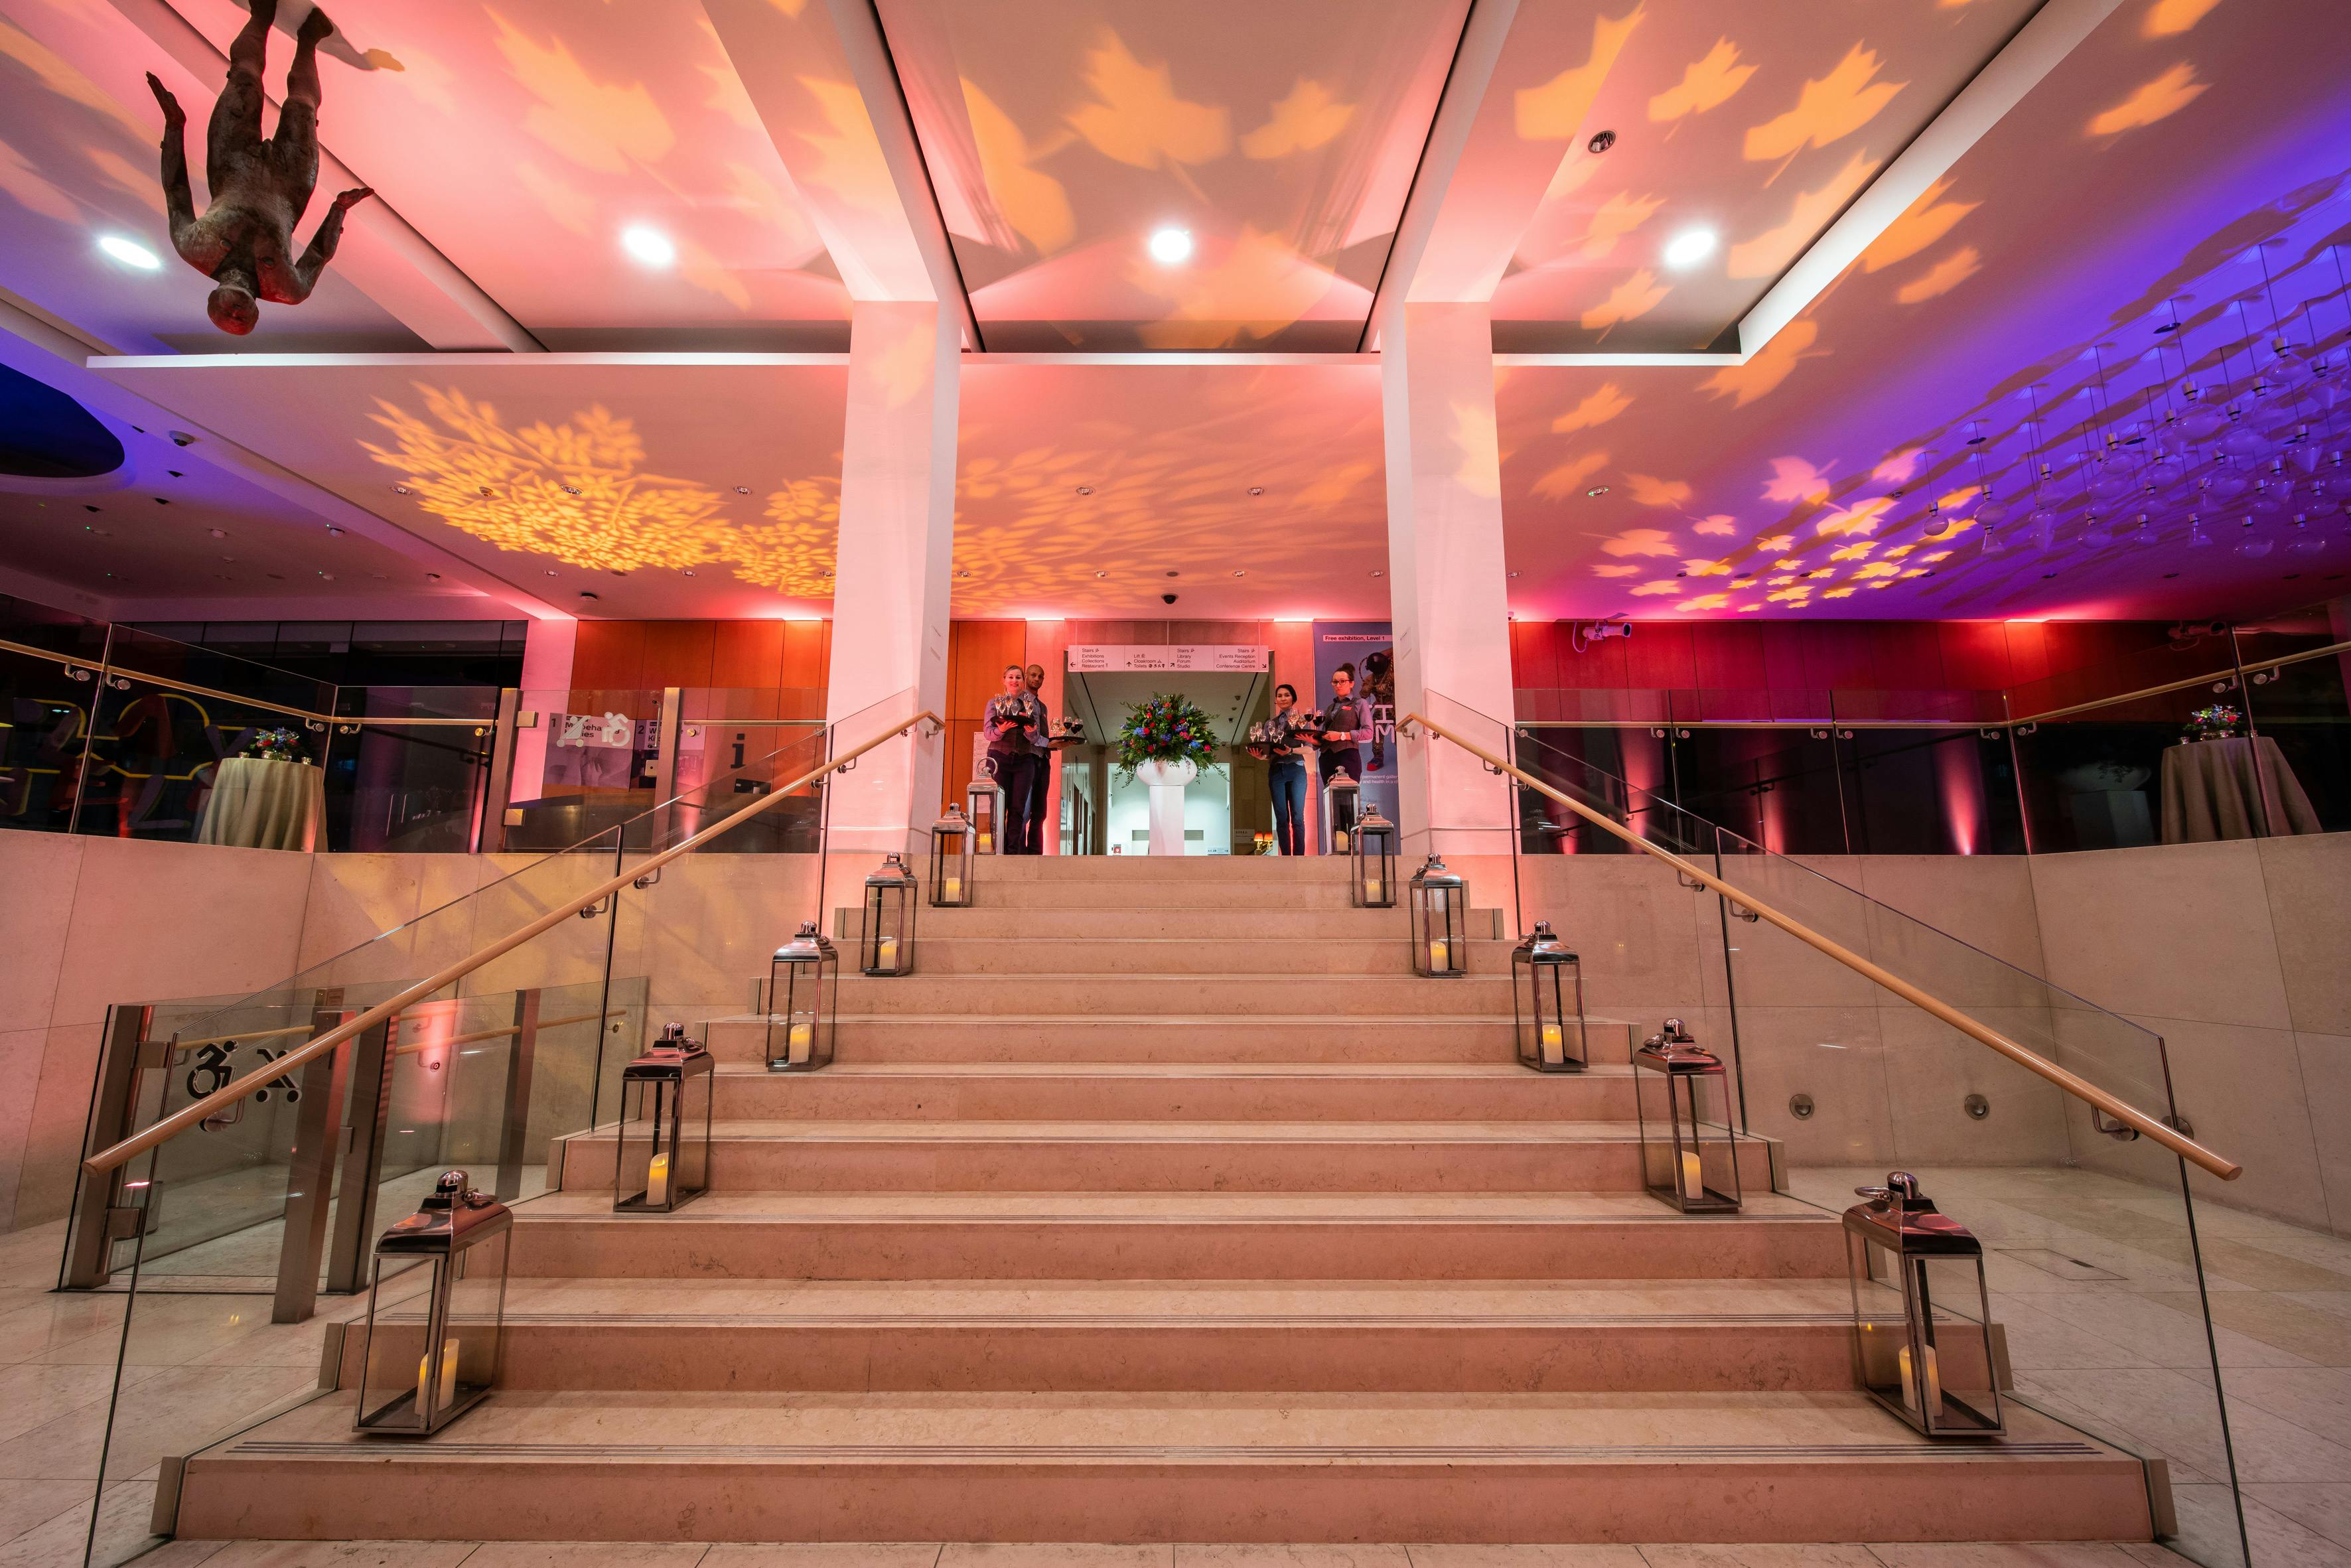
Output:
x,y
1370,647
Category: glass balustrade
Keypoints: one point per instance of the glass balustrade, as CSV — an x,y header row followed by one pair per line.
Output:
x,y
2100,1279
270,1208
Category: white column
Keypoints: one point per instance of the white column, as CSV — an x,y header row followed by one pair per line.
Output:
x,y
1447,583
891,578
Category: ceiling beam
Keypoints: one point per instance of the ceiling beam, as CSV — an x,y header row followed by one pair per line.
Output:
x,y
2054,32
823,85
1483,33
382,255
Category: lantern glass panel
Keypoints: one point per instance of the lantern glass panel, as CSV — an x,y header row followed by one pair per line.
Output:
x,y
951,861
804,989
399,1395
477,1297
885,943
663,1158
1439,922
1919,1337
1547,999
1374,864
1689,1155
984,806
436,1309
1340,798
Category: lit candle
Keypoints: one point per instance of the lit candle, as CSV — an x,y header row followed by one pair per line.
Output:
x,y
1693,1178
985,840
954,889
1436,951
889,959
801,1036
1370,889
658,1180
1339,840
1553,1047
448,1377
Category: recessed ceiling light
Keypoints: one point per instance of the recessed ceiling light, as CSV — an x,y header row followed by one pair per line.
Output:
x,y
432,577
647,246
1256,489
589,594
1377,572
1689,247
1597,490
327,575
965,573
401,490
129,252
742,490
1241,574
1085,490
1171,247
1175,574
1514,574
1602,140
333,531
1101,574
550,571
689,572
572,489
219,533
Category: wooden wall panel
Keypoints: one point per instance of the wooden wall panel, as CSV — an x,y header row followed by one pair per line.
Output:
x,y
1784,655
1662,653
608,656
1905,656
1727,655
1975,654
747,653
678,653
1837,654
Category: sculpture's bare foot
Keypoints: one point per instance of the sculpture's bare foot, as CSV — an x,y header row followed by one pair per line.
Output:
x,y
172,113
315,26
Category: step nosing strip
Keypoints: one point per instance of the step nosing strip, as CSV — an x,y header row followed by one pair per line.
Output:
x,y
786,1319
1166,1453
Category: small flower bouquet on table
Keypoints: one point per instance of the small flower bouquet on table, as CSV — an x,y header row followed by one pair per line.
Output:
x,y
2218,722
1165,729
275,746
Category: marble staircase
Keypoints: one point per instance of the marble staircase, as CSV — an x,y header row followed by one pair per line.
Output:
x,y
1163,1204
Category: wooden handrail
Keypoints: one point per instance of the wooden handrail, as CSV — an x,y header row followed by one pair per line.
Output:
x,y
2081,1088
196,1111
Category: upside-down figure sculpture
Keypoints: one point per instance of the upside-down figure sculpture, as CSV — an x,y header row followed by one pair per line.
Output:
x,y
259,186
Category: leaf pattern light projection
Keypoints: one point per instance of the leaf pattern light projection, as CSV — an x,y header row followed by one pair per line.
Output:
x,y
580,492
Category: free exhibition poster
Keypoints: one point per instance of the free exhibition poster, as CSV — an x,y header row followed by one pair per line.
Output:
x,y
1370,647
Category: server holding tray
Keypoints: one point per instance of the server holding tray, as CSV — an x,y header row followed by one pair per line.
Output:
x,y
1282,742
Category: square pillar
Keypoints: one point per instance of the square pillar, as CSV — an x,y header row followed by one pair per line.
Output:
x,y
1448,584
891,576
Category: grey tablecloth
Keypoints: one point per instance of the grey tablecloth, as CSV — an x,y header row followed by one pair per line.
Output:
x,y
2210,788
265,805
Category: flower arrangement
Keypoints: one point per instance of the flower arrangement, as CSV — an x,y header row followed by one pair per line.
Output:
x,y
275,746
2217,722
1165,729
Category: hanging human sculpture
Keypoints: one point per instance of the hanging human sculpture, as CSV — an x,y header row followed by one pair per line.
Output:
x,y
245,241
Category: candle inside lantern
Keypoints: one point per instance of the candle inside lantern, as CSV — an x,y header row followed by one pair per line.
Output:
x,y
1554,1045
658,1180
952,889
1436,953
1372,889
889,955
1934,1382
986,842
1693,1178
1339,840
802,1034
448,1377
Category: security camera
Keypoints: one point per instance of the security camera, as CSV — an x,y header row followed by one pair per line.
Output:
x,y
1166,599
182,438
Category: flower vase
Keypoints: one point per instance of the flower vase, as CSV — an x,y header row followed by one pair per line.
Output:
x,y
1166,781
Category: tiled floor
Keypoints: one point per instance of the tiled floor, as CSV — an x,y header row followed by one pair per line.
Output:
x,y
2087,1272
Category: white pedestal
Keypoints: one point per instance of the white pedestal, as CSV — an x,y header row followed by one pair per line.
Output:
x,y
1166,781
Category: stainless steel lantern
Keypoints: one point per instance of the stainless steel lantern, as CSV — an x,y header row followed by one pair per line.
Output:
x,y
1547,1003
1340,794
951,860
1690,1157
1438,910
983,806
804,989
1919,1310
416,1377
664,1154
1372,861
886,939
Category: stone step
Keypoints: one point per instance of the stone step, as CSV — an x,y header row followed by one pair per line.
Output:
x,y
1172,1092
1271,921
1186,1236
1385,952
1129,871
1163,1156
993,891
1201,1466
1213,1336
1239,994
1129,1037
